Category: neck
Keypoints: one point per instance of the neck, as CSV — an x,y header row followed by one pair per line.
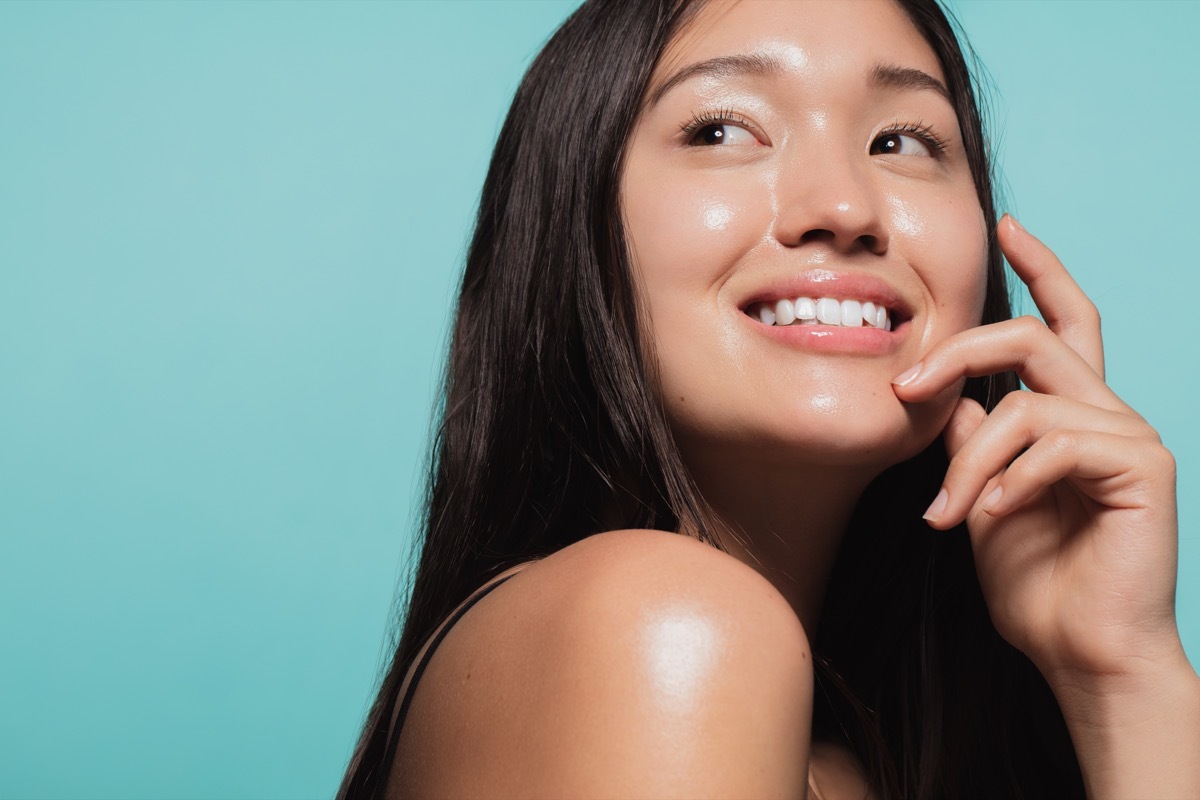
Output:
x,y
784,520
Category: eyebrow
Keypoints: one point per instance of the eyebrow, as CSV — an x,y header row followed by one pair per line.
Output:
x,y
889,76
720,67
885,76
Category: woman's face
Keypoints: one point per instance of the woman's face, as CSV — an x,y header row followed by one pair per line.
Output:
x,y
792,159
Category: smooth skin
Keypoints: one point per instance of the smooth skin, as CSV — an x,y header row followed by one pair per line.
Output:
x,y
1069,497
801,196
644,664
631,664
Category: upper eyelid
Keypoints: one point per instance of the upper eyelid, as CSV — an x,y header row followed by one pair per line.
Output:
x,y
721,116
937,143
712,116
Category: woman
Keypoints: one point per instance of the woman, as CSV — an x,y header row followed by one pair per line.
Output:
x,y
730,322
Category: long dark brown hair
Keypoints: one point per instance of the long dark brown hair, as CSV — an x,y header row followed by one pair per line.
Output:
x,y
550,431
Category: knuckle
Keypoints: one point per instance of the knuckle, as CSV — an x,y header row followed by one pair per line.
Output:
x,y
1165,459
1030,325
963,465
1088,313
1031,333
966,466
1142,429
1017,404
1024,412
1082,314
1059,441
1019,474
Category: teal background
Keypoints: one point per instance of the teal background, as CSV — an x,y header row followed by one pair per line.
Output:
x,y
229,234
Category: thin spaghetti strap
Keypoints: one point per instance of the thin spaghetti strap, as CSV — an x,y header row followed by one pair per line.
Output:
x,y
414,676
814,791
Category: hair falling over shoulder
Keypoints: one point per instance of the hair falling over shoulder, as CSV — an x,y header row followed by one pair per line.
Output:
x,y
549,432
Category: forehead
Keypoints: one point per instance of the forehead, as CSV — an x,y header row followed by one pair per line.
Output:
x,y
805,36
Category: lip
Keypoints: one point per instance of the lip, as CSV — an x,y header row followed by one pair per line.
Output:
x,y
833,339
819,283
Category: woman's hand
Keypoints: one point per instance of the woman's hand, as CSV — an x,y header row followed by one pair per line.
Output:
x,y
1068,493
1069,497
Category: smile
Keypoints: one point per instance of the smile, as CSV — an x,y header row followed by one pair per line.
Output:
x,y
822,311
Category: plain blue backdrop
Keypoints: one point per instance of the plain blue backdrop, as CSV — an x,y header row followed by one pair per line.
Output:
x,y
229,235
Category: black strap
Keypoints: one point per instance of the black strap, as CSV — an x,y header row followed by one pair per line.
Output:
x,y
406,701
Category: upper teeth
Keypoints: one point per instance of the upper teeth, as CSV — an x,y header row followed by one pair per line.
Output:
x,y
824,311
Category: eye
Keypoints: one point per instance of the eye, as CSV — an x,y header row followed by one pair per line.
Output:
x,y
900,144
718,133
718,127
908,139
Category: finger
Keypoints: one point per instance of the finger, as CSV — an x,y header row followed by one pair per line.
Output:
x,y
1020,420
966,418
968,415
1042,360
1068,311
1112,470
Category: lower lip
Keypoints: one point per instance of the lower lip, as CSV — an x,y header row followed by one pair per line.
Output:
x,y
834,338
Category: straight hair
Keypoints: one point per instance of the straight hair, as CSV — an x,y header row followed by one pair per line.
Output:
x,y
550,431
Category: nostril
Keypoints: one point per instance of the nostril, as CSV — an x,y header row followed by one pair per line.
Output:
x,y
866,241
817,235
871,243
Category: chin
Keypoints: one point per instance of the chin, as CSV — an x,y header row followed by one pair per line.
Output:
x,y
871,443
870,431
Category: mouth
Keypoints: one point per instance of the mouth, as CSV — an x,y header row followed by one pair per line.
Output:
x,y
830,311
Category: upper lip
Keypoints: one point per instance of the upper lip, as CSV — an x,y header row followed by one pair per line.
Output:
x,y
818,283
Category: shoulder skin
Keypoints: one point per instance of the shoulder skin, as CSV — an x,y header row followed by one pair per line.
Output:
x,y
631,664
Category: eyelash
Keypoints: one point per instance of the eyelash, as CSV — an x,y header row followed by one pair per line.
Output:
x,y
919,129
717,117
729,117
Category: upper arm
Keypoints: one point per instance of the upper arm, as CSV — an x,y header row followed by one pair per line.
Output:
x,y
634,663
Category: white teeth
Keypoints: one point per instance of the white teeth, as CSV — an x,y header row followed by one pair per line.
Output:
x,y
825,311
829,311
785,312
852,314
868,313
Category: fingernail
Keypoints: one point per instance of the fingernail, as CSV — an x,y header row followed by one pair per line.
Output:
x,y
1016,224
906,377
937,507
993,498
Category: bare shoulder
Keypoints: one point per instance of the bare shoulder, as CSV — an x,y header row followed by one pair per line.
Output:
x,y
633,663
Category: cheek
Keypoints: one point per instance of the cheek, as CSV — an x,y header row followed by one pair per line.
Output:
x,y
949,237
687,232
906,220
969,236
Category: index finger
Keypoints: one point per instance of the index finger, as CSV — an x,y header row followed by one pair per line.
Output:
x,y
1066,309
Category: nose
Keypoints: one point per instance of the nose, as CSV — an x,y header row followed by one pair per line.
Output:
x,y
830,198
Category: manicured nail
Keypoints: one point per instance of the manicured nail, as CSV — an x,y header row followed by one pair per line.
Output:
x,y
1016,224
937,507
993,499
906,377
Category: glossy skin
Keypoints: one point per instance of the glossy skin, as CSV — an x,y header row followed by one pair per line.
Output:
x,y
794,193
640,663
632,664
1069,497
